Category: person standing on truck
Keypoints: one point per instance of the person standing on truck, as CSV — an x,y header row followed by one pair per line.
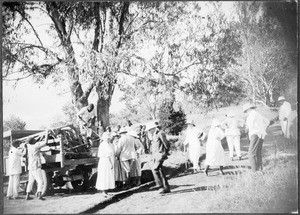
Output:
x,y
35,166
14,169
87,119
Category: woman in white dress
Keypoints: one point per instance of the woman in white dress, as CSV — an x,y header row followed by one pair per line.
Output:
x,y
106,176
192,139
214,150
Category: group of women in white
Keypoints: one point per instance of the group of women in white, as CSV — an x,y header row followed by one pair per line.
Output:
x,y
214,150
119,160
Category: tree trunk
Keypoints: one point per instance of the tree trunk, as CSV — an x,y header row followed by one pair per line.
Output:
x,y
103,103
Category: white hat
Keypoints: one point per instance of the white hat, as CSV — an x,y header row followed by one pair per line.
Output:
x,y
190,122
133,133
281,98
105,136
248,106
230,114
151,125
215,123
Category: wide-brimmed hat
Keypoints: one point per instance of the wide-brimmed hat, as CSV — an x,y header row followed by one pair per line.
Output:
x,y
133,134
230,114
106,136
32,141
122,130
281,98
248,106
190,122
215,123
151,125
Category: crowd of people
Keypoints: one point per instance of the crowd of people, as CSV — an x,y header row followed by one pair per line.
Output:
x,y
121,148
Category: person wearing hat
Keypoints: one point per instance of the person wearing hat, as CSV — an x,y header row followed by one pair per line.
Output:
x,y
14,169
105,173
192,139
256,124
285,111
86,118
233,135
214,150
126,153
160,151
136,170
35,165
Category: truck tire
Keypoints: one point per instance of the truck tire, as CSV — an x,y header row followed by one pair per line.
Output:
x,y
46,184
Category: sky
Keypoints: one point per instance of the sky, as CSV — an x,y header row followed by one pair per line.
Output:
x,y
36,104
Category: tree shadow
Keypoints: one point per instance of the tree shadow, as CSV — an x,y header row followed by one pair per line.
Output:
x,y
196,189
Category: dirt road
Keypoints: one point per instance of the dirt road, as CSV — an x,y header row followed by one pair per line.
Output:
x,y
191,193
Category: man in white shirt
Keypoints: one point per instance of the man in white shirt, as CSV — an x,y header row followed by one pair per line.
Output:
x,y
14,168
284,116
126,153
35,165
233,135
256,125
86,118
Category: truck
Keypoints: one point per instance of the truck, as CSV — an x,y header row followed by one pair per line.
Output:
x,y
65,158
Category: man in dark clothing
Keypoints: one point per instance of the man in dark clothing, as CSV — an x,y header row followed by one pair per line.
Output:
x,y
160,152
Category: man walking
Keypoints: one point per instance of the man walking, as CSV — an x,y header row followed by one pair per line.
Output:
x,y
256,125
160,152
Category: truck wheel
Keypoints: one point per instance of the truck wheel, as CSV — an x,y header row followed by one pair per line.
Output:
x,y
46,183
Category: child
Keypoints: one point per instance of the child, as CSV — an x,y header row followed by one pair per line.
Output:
x,y
14,169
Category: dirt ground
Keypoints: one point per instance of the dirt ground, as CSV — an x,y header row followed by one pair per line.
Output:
x,y
185,187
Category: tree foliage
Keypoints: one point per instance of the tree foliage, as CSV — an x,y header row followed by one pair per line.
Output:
x,y
13,122
172,121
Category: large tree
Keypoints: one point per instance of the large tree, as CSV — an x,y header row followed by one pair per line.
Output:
x,y
88,45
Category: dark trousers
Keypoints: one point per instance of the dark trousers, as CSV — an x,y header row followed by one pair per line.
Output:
x,y
158,174
255,153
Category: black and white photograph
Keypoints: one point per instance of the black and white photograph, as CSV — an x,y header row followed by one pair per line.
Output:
x,y
149,107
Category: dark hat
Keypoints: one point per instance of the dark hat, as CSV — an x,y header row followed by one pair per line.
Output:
x,y
32,141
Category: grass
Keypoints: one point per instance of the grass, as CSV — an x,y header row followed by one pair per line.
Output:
x,y
275,191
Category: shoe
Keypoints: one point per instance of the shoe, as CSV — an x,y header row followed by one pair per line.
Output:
x,y
40,197
165,191
156,187
15,198
28,197
240,158
9,198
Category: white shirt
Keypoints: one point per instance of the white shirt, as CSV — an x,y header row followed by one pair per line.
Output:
x,y
35,155
126,148
285,110
14,160
231,125
257,124
85,114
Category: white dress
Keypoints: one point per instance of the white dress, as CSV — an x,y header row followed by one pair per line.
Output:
x,y
194,145
214,150
106,175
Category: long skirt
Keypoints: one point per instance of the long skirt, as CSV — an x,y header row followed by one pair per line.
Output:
x,y
135,169
106,175
119,171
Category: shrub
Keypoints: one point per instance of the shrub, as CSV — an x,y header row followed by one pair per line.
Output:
x,y
171,121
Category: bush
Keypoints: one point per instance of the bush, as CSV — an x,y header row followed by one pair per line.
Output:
x,y
171,121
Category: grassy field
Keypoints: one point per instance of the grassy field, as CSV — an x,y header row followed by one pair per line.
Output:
x,y
275,191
